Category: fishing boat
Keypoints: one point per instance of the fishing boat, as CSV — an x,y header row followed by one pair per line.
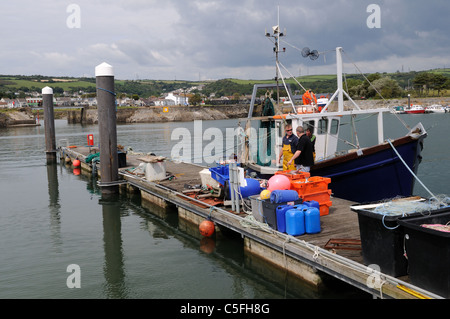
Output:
x,y
398,109
415,109
378,172
435,108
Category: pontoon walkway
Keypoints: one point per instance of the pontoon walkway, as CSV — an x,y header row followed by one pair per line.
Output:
x,y
304,256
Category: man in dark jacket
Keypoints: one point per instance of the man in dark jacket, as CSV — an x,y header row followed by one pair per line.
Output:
x,y
313,140
303,155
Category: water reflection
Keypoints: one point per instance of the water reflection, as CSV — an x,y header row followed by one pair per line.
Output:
x,y
54,204
114,262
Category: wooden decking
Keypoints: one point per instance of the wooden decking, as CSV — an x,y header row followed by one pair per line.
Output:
x,y
340,223
340,259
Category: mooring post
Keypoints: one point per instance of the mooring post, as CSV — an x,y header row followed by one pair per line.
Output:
x,y
49,124
107,118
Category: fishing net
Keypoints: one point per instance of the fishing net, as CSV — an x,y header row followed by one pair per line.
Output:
x,y
404,207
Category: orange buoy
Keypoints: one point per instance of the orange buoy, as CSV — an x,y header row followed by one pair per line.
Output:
x,y
76,163
76,171
206,228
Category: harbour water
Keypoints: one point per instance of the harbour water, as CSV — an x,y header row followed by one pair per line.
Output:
x,y
52,220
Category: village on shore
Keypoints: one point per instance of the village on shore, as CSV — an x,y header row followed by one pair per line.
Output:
x,y
81,100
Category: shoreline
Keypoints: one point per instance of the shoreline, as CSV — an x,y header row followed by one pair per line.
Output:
x,y
25,118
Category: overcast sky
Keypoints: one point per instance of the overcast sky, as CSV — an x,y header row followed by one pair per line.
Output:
x,y
205,39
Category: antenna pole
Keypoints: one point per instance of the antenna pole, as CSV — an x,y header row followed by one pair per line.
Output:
x,y
277,44
276,39
339,79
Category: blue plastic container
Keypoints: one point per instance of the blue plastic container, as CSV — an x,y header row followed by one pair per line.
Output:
x,y
312,220
253,188
312,203
220,173
281,216
300,206
295,222
270,211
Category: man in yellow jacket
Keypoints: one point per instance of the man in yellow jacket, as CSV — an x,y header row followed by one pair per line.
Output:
x,y
287,149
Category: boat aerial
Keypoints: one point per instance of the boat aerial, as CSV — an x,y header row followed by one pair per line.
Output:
x,y
365,174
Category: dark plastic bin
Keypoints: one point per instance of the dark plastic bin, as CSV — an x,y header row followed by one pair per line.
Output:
x,y
382,242
270,211
428,252
122,159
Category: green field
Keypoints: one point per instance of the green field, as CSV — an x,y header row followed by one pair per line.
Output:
x,y
225,87
302,79
39,82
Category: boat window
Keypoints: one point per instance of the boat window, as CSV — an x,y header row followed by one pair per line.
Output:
x,y
334,126
310,125
322,127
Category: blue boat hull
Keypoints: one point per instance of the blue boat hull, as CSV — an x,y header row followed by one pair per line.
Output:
x,y
377,174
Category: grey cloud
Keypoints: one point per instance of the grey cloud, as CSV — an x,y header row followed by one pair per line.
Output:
x,y
182,39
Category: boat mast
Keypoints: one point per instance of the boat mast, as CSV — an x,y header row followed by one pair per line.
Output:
x,y
276,35
340,94
277,47
340,85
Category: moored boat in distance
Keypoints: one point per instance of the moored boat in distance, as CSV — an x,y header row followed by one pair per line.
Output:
x,y
435,108
398,109
415,109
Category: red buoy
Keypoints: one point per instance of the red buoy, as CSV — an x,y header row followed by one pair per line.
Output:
x,y
206,228
76,163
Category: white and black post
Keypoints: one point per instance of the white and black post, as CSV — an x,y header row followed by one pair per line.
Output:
x,y
49,124
107,118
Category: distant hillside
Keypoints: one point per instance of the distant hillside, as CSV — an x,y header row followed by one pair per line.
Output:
x,y
10,84
327,83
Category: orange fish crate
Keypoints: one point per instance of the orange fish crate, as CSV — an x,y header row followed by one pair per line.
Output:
x,y
314,184
320,197
325,208
294,175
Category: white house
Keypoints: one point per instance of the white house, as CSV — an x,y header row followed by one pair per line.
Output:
x,y
164,102
92,101
16,103
178,99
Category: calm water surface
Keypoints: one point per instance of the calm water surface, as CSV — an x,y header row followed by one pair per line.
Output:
x,y
51,218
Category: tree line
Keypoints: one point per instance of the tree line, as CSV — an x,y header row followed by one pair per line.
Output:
x,y
369,86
